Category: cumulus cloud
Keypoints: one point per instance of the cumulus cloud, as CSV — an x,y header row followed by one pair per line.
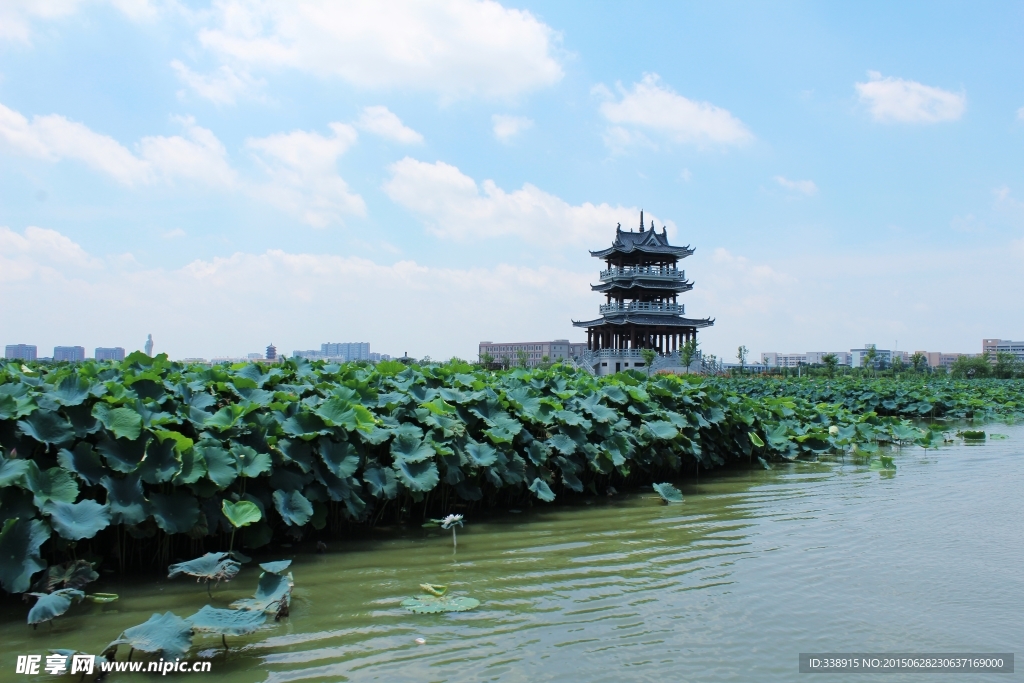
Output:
x,y
507,127
456,48
18,16
895,100
454,206
381,121
302,174
435,311
223,86
650,107
806,187
296,171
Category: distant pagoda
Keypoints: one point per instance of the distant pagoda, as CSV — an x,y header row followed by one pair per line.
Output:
x,y
641,286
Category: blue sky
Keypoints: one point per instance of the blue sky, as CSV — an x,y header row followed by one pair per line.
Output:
x,y
426,175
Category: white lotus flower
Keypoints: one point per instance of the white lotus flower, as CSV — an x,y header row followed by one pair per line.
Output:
x,y
833,430
450,521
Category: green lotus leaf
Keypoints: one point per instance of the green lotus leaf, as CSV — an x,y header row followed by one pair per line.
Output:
x,y
668,493
273,594
407,448
998,437
277,567
166,634
342,413
242,513
123,455
381,482
47,427
83,461
226,622
538,452
755,439
102,598
193,468
481,454
615,394
20,540
49,606
250,462
221,464
225,418
75,521
209,567
341,458
182,443
417,476
51,484
127,503
432,604
563,444
435,589
12,471
8,407
71,391
175,513
306,426
662,430
72,574
540,488
124,423
161,462
599,412
293,507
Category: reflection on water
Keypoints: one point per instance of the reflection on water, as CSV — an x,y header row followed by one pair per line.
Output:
x,y
752,569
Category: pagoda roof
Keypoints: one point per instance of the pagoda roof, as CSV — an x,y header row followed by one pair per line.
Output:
x,y
645,242
646,319
677,286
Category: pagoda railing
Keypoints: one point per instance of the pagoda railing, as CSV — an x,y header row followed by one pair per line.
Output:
x,y
644,271
643,307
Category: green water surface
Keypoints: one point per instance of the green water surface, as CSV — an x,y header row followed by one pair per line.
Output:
x,y
753,568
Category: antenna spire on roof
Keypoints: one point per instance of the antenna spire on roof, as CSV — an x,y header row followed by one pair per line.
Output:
x,y
641,220
652,226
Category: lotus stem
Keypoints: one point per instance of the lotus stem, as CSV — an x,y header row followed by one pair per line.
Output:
x,y
224,640
455,542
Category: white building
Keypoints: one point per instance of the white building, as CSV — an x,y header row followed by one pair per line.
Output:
x,y
990,347
72,354
508,352
114,353
20,352
883,357
774,359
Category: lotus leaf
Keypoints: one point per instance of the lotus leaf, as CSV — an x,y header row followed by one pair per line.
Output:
x,y
226,622
430,604
293,507
12,471
250,462
481,454
541,489
74,574
71,391
221,464
47,427
341,458
51,484
273,595
123,455
419,476
242,513
124,423
161,462
407,448
75,521
127,503
381,482
276,567
175,513
755,439
20,540
997,437
434,589
83,461
102,598
49,606
166,634
668,493
210,567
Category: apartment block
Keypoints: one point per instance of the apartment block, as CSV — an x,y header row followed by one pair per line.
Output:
x,y
20,352
72,354
508,352
990,347
104,353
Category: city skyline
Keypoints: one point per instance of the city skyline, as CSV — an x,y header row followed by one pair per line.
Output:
x,y
845,172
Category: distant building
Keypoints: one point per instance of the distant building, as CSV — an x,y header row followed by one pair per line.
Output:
x,y
115,353
508,352
774,359
883,357
72,354
271,352
20,351
377,357
255,356
938,359
338,352
194,361
990,347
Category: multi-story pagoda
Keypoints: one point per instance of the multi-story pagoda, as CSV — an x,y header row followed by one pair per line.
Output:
x,y
641,285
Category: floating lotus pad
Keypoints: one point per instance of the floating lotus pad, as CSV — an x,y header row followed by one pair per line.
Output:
x,y
211,566
166,634
226,622
433,604
668,493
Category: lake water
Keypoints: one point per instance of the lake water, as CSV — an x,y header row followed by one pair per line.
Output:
x,y
753,568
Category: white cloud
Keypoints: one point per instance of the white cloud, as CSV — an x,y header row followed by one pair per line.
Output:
x,y
17,16
807,187
453,47
453,206
224,86
381,121
1020,114
506,127
198,156
658,109
897,100
504,301
303,176
173,234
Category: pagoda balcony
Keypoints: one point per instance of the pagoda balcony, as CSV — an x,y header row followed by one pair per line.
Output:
x,y
660,272
643,307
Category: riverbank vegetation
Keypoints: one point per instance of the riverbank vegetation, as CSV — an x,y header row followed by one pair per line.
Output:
x,y
137,464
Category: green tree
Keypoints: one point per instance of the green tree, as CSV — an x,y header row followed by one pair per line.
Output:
x,y
918,361
831,361
486,360
523,358
648,355
869,359
971,367
688,352
1006,365
741,356
897,365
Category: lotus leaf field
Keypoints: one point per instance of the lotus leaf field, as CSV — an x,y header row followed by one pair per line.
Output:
x,y
139,463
